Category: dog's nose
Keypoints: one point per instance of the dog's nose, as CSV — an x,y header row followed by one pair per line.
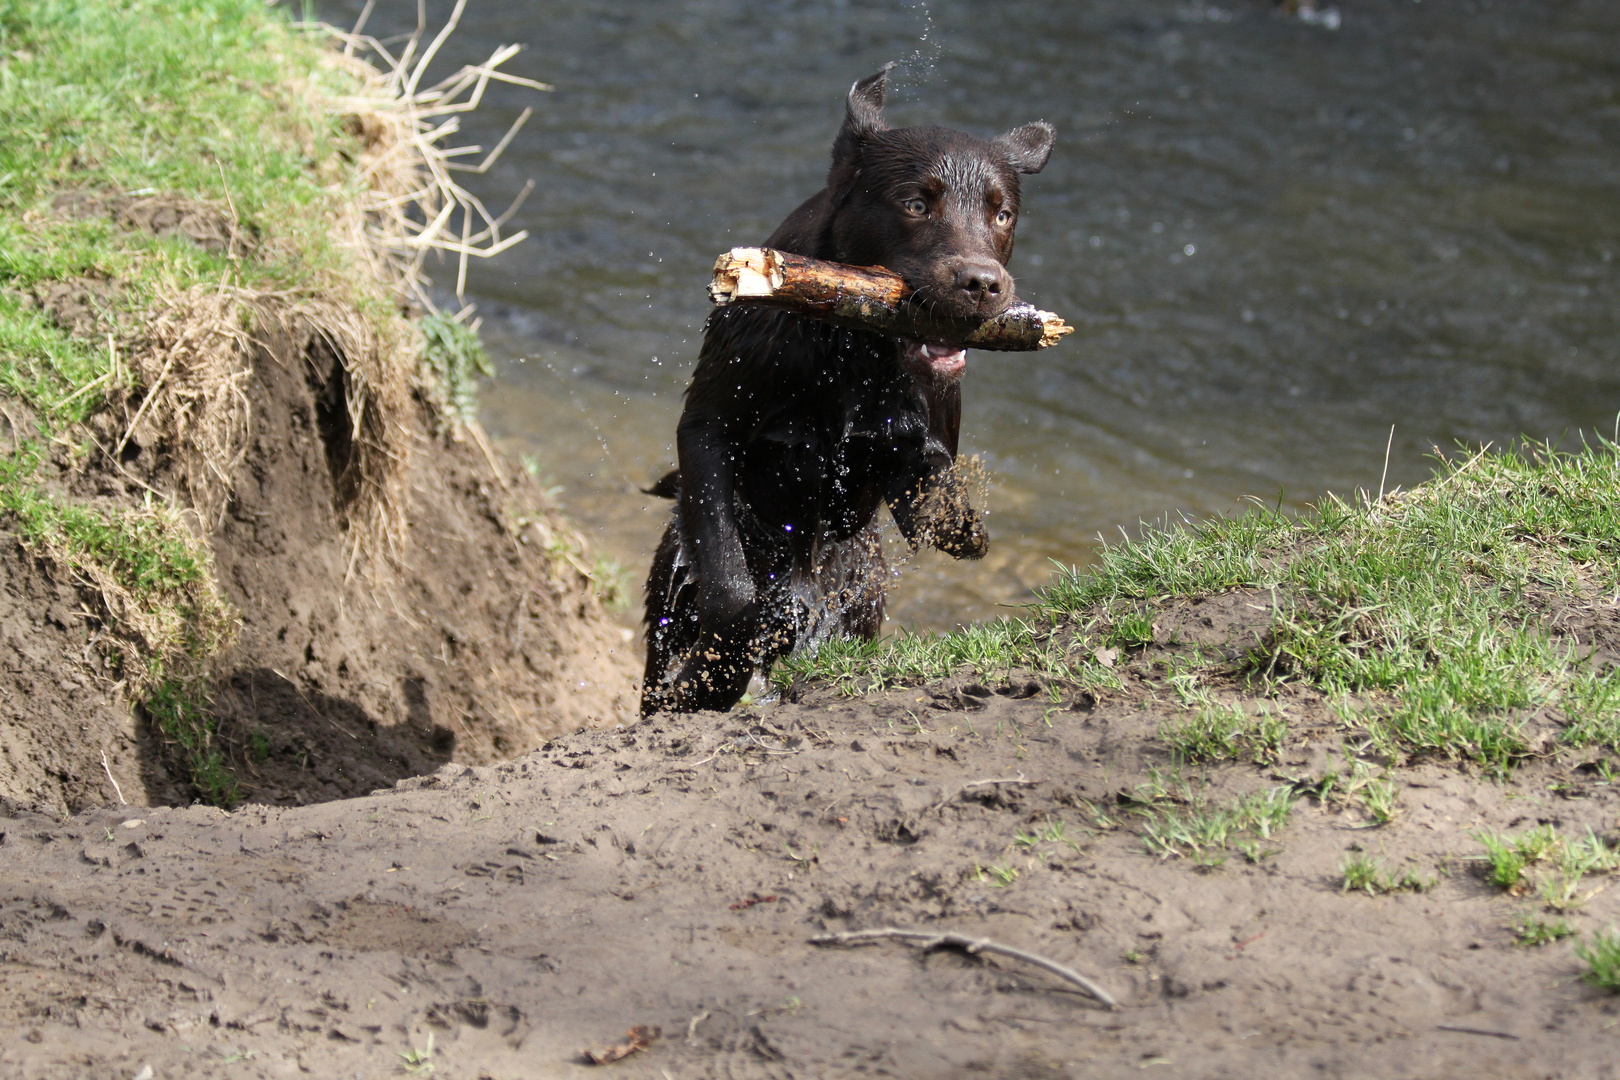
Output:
x,y
982,280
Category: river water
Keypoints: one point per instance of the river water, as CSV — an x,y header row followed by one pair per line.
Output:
x,y
1278,240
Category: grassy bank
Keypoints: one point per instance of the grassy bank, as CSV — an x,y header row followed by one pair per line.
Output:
x,y
1466,618
203,108
212,101
175,177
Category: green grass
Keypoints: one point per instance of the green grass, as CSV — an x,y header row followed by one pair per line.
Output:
x,y
1356,784
1554,866
1192,827
455,356
418,1062
1054,832
1225,732
42,365
1532,930
181,713
1602,955
997,875
164,619
991,648
1362,873
1420,615
188,97
202,99
1426,601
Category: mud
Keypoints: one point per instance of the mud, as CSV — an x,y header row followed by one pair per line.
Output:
x,y
671,874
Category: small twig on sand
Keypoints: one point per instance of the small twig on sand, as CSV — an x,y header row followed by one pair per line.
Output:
x,y
108,770
1476,1031
1019,779
972,946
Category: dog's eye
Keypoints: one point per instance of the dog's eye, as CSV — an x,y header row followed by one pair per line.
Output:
x,y
915,206
1004,217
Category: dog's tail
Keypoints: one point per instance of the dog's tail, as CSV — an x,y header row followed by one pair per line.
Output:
x,y
667,488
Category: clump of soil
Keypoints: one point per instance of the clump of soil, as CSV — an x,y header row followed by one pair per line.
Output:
x,y
210,226
667,878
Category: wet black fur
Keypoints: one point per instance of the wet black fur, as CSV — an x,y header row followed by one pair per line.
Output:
x,y
796,432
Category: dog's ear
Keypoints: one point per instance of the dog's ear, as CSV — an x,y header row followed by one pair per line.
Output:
x,y
863,116
863,111
1028,147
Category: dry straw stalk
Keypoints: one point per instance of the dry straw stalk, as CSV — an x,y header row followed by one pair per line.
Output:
x,y
412,204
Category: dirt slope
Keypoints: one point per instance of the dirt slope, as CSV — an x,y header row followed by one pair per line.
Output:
x,y
348,674
671,874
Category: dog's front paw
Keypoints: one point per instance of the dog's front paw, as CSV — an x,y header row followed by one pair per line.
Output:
x,y
964,538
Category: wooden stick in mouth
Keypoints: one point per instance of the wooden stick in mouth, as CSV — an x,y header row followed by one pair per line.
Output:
x,y
870,298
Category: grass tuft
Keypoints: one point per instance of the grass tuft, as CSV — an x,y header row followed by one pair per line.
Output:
x,y
1554,865
1226,732
1362,873
1187,825
454,356
1602,955
1532,930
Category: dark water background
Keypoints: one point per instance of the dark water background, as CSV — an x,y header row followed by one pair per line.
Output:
x,y
1277,240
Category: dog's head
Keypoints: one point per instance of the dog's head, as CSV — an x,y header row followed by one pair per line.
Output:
x,y
939,207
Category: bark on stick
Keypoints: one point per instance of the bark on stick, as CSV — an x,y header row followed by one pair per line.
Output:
x,y
870,298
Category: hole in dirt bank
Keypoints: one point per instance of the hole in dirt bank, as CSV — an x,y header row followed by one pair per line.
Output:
x,y
330,383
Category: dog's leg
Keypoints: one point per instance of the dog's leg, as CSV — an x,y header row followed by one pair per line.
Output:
x,y
937,512
927,494
716,673
671,619
708,458
866,586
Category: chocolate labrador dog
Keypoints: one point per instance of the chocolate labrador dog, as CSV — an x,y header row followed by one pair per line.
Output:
x,y
796,432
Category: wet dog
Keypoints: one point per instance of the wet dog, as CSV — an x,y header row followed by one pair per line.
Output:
x,y
796,432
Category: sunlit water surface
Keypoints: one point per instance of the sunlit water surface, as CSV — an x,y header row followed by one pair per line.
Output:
x,y
1278,241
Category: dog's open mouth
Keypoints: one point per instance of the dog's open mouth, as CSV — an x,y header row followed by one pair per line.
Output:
x,y
940,361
